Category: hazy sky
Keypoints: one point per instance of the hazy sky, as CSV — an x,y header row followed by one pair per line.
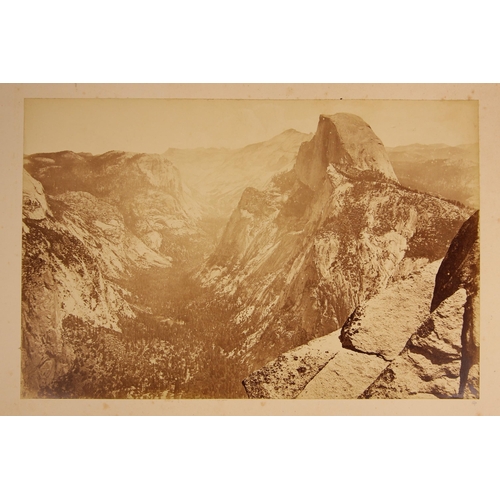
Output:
x,y
154,125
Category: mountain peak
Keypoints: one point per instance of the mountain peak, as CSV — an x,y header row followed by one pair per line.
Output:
x,y
291,131
348,143
287,136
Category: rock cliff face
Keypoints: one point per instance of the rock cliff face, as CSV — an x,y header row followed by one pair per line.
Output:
x,y
347,143
67,271
325,237
144,191
460,270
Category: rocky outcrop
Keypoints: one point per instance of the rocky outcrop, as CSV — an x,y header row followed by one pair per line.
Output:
x,y
419,338
429,365
460,269
375,334
346,376
383,325
346,142
442,358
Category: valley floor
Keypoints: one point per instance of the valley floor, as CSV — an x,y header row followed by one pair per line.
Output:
x,y
176,347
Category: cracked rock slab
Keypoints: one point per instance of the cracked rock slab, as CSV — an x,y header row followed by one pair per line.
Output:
x,y
286,376
346,376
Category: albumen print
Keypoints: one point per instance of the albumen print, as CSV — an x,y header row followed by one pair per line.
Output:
x,y
233,249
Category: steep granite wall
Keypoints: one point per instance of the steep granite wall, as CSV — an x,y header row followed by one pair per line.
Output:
x,y
346,142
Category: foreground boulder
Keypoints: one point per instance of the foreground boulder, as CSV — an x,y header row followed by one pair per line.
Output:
x,y
379,329
383,325
429,366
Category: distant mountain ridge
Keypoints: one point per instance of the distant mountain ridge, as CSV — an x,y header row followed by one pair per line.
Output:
x,y
221,175
146,190
451,172
418,151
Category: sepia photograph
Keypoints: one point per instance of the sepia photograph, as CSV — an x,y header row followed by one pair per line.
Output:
x,y
287,276
310,249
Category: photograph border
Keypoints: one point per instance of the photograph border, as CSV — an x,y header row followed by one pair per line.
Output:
x,y
11,126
